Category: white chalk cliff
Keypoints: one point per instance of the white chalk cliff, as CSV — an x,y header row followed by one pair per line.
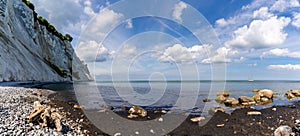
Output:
x,y
29,52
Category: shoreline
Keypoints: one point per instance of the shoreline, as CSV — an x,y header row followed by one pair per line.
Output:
x,y
235,123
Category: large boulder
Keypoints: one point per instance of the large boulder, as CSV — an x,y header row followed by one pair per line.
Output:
x,y
245,101
220,98
295,93
266,93
292,94
231,102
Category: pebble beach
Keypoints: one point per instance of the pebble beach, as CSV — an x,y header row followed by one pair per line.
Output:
x,y
16,104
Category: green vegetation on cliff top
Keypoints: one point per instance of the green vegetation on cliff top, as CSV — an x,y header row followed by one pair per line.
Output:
x,y
45,23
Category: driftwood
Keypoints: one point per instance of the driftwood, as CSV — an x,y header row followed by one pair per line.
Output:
x,y
45,116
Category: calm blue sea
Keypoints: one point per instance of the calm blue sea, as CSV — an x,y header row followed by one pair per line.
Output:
x,y
187,95
171,95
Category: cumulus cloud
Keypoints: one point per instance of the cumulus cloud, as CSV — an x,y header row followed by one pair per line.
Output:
x,y
222,22
260,34
101,24
91,51
222,55
180,54
296,20
282,5
262,13
281,52
88,8
178,9
57,13
126,52
284,67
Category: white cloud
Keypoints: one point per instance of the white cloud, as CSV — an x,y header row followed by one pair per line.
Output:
x,y
222,56
88,8
284,67
57,13
222,22
260,34
126,52
180,54
178,9
91,51
262,13
282,5
296,20
101,24
281,52
253,64
129,23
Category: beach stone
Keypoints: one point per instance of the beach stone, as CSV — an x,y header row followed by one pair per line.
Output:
x,y
253,113
264,99
206,100
131,116
231,102
219,109
255,90
295,93
283,131
289,95
77,107
245,99
117,134
256,98
220,98
197,119
137,110
220,125
266,93
225,94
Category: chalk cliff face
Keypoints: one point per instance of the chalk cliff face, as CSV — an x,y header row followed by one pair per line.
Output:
x,y
29,52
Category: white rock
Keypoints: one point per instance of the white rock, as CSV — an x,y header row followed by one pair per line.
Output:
x,y
253,113
117,134
197,119
283,131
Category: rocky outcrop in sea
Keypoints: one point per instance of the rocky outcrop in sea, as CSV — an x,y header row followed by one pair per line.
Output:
x,y
29,51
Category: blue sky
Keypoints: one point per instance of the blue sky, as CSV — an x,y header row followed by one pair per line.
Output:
x,y
157,40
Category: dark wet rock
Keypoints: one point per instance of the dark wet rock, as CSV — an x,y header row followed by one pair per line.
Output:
x,y
245,101
231,102
225,94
